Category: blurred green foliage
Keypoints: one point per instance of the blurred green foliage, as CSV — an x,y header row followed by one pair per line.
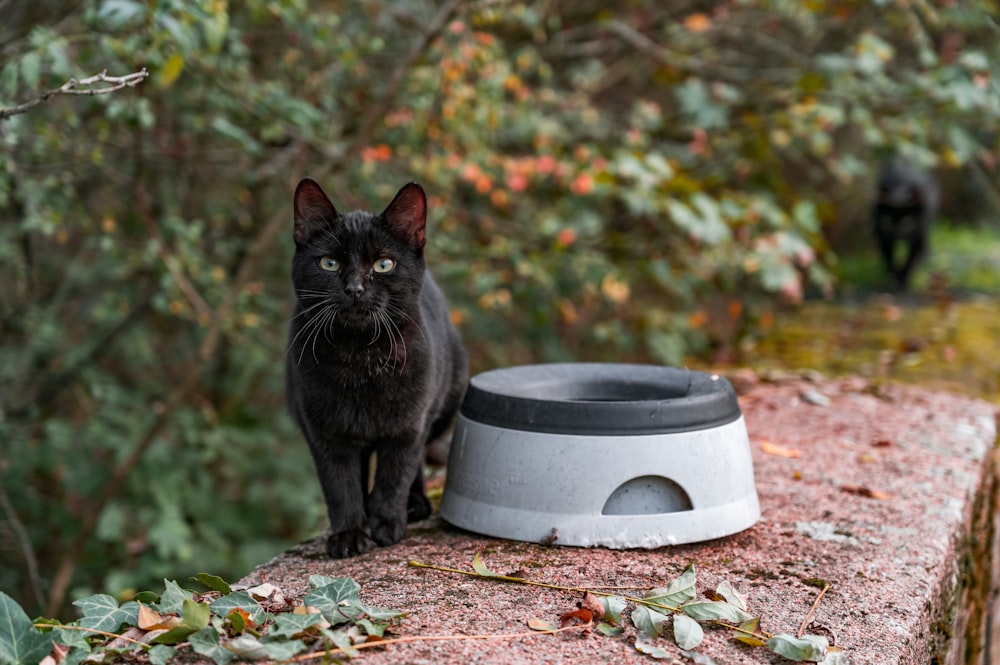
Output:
x,y
643,182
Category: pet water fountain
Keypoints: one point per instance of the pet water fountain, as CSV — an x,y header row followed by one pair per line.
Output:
x,y
600,454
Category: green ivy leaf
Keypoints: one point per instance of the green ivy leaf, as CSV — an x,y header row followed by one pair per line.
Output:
x,y
715,610
239,600
341,640
334,600
687,632
371,628
347,587
290,625
247,647
213,582
678,592
147,598
160,654
206,642
20,642
101,612
173,597
799,649
282,649
71,638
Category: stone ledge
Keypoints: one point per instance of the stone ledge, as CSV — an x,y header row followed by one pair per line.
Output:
x,y
891,499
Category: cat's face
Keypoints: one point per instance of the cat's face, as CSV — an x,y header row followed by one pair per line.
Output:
x,y
358,270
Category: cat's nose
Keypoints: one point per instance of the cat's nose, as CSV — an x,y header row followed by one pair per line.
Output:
x,y
354,288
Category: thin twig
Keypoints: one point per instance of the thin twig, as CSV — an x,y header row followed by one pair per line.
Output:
x,y
812,610
21,534
439,638
105,633
79,87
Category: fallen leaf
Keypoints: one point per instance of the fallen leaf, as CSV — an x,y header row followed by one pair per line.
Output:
x,y
591,603
541,625
481,569
585,616
862,490
780,451
267,591
150,619
815,397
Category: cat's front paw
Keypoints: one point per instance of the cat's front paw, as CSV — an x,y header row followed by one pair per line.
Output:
x,y
387,531
348,543
417,507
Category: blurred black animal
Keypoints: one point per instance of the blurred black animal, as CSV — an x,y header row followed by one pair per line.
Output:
x,y
905,206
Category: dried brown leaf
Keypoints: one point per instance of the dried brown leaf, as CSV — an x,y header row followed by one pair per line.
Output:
x,y
780,451
593,604
865,491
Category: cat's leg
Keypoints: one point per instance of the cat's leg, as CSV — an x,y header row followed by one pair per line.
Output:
x,y
398,464
917,245
340,475
418,507
885,235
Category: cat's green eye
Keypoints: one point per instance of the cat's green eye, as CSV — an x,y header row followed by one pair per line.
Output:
x,y
326,263
384,265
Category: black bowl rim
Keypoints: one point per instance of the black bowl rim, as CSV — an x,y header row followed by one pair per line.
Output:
x,y
512,398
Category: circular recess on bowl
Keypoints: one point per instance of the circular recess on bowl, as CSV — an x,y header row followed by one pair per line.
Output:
x,y
600,399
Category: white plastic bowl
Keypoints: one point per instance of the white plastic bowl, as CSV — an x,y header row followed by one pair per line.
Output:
x,y
600,454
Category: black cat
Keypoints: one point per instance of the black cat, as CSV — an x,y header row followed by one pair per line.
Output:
x,y
374,364
905,206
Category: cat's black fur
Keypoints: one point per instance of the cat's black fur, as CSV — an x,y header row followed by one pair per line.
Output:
x,y
905,206
374,364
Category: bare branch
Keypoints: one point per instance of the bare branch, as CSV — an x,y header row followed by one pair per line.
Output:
x,y
81,87
24,540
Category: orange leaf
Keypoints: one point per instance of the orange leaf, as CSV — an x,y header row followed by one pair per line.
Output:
x,y
780,451
865,491
583,614
697,23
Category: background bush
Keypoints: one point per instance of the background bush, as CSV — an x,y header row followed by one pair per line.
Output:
x,y
644,182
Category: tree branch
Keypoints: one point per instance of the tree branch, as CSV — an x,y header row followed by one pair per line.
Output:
x,y
24,540
80,87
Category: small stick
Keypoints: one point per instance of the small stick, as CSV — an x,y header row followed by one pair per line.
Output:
x,y
73,87
812,610
439,638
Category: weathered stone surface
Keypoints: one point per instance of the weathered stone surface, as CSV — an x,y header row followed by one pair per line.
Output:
x,y
887,493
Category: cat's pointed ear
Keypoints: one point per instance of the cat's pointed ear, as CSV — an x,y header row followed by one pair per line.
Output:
x,y
313,210
406,216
